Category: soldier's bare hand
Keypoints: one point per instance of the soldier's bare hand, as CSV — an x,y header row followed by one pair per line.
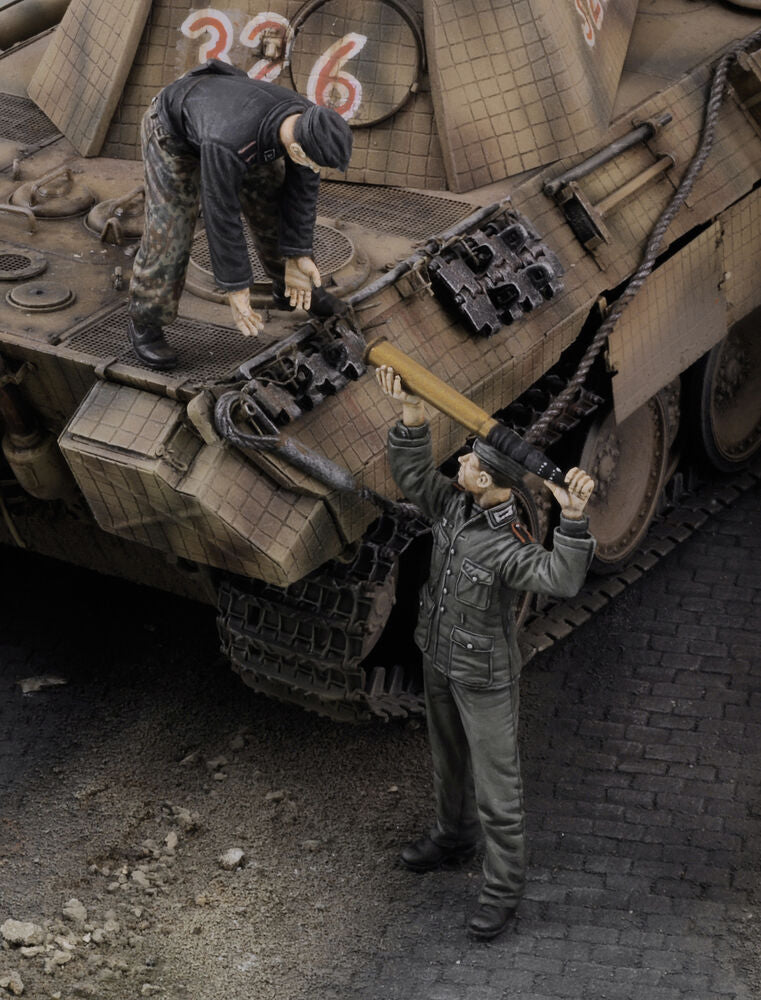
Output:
x,y
249,323
391,385
574,498
301,276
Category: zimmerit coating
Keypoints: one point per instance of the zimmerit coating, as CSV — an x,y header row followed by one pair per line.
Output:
x,y
516,85
81,76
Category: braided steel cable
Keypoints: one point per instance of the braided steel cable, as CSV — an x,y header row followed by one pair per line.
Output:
x,y
538,430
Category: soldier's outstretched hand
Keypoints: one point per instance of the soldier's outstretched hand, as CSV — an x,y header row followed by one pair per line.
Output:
x,y
248,322
574,498
413,411
391,384
301,276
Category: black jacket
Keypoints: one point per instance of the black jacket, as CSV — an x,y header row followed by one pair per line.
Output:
x,y
231,122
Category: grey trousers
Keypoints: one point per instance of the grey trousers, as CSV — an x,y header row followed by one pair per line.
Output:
x,y
477,777
172,195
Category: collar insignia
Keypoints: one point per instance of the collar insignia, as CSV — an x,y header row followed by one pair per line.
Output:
x,y
502,514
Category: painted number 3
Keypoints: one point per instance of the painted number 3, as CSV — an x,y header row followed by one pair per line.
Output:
x,y
329,84
591,13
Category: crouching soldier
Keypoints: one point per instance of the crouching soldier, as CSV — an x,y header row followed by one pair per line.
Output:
x,y
234,144
467,633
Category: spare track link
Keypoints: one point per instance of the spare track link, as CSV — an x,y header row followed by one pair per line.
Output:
x,y
305,643
558,619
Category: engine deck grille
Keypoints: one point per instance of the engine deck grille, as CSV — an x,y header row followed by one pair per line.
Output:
x,y
332,251
22,121
207,352
391,210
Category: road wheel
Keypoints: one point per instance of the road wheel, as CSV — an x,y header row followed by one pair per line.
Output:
x,y
728,380
628,463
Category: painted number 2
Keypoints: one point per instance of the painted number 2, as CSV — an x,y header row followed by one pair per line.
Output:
x,y
329,84
591,13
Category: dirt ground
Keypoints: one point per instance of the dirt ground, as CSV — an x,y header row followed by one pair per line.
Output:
x,y
121,789
153,737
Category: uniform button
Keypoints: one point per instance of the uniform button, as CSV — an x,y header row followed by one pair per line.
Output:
x,y
441,608
451,552
449,572
474,579
445,591
469,645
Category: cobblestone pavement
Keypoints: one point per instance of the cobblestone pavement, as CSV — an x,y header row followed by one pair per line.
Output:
x,y
640,743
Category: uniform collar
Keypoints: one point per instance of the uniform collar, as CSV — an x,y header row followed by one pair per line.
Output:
x,y
503,513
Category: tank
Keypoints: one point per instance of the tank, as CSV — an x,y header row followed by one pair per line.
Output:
x,y
552,218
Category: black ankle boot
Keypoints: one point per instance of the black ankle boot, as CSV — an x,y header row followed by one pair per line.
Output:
x,y
150,347
425,855
489,920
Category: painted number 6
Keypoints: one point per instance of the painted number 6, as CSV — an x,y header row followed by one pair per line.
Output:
x,y
329,85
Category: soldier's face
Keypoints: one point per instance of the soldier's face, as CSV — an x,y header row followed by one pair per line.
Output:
x,y
470,475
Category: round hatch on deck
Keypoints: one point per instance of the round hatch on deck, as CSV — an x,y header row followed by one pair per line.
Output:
x,y
118,219
333,251
40,296
17,263
57,195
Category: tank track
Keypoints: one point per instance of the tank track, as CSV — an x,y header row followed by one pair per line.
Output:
x,y
306,643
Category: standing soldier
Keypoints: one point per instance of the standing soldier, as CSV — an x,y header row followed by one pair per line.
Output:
x,y
466,631
217,136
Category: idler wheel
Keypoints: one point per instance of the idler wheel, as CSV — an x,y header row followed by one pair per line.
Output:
x,y
728,396
628,463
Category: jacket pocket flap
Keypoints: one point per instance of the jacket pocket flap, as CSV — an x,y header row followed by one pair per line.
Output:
x,y
476,573
472,640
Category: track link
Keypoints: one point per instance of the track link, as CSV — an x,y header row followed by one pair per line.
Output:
x,y
305,644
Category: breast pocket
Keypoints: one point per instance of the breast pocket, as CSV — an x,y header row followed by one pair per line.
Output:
x,y
470,658
474,585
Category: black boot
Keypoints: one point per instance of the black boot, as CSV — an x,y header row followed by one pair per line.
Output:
x,y
425,855
323,304
150,347
489,920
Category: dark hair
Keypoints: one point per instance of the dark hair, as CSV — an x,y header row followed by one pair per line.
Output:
x,y
501,480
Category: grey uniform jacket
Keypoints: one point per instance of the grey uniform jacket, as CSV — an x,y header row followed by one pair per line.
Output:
x,y
466,623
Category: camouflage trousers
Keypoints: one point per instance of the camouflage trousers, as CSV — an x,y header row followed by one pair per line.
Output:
x,y
172,196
